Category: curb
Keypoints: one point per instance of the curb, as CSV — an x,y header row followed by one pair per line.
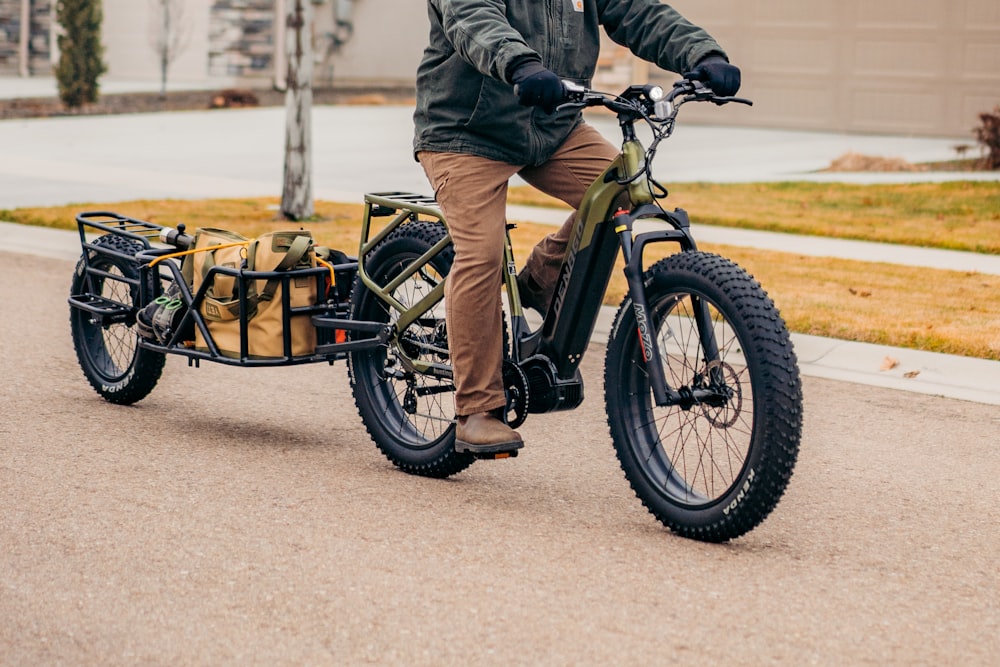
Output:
x,y
917,371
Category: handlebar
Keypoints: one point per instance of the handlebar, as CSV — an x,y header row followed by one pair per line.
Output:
x,y
650,104
648,101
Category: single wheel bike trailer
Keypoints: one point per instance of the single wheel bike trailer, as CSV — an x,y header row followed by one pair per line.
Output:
x,y
128,265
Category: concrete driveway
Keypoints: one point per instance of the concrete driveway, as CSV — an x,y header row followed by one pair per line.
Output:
x,y
235,153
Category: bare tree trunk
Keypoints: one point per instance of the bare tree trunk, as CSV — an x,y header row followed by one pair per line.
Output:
x,y
164,47
24,42
296,197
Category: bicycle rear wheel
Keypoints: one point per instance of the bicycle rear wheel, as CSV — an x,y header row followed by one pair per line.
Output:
x,y
409,414
715,465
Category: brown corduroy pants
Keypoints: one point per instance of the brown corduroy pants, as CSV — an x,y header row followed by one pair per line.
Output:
x,y
472,194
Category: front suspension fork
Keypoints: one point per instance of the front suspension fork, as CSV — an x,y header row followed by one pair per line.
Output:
x,y
663,393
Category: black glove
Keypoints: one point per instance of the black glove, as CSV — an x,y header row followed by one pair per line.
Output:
x,y
537,86
717,74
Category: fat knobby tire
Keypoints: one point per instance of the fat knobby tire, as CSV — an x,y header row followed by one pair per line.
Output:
x,y
111,360
388,422
772,430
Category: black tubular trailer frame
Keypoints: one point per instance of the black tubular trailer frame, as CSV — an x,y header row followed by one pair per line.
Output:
x,y
330,315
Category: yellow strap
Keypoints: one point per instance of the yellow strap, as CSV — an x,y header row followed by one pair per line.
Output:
x,y
184,253
329,266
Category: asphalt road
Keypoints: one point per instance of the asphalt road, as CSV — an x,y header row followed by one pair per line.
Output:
x,y
243,517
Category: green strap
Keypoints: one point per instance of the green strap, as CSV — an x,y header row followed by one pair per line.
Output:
x,y
296,251
187,270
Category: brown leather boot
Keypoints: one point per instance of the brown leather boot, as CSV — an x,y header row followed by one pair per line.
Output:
x,y
483,433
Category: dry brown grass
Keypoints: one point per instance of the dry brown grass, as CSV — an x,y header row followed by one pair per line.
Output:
x,y
940,311
960,215
334,224
928,309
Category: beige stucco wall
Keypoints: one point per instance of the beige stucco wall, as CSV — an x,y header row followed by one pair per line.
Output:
x,y
128,35
389,36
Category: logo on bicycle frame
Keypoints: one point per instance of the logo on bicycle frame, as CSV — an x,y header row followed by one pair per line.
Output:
x,y
567,270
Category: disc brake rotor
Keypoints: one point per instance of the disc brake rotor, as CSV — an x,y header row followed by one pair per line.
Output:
x,y
727,384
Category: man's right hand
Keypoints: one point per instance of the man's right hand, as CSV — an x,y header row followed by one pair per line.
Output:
x,y
537,86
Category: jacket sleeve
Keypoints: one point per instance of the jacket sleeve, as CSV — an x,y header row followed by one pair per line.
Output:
x,y
657,32
480,33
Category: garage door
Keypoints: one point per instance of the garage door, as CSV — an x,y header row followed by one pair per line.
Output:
x,y
926,67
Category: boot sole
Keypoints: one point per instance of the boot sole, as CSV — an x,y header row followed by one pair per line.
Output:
x,y
492,450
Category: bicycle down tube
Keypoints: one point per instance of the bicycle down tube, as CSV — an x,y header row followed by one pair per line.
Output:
x,y
603,226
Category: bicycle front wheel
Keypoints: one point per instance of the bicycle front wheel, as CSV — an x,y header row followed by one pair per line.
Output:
x,y
715,464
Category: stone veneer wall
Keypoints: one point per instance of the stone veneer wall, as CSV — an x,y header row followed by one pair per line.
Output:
x,y
10,32
241,38
10,35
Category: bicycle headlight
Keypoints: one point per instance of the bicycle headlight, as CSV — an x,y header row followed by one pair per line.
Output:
x,y
662,108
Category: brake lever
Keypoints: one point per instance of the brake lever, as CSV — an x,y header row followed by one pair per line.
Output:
x,y
573,93
699,91
738,100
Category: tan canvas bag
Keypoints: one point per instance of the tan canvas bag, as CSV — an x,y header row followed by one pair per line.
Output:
x,y
219,247
282,251
276,251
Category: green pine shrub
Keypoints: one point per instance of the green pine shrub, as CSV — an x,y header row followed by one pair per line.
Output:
x,y
80,51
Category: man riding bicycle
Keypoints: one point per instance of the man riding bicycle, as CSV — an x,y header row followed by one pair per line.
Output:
x,y
488,89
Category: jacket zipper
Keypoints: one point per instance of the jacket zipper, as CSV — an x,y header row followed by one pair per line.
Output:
x,y
552,26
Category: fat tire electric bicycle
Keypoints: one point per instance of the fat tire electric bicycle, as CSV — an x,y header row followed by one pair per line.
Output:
x,y
702,388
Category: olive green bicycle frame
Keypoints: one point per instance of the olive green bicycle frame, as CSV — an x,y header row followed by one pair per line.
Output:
x,y
604,221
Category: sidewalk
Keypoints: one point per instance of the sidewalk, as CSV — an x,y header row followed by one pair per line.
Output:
x,y
813,246
234,153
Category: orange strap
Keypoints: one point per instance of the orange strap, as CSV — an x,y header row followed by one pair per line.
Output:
x,y
184,253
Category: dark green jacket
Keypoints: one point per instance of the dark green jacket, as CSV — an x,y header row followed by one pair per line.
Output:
x,y
465,99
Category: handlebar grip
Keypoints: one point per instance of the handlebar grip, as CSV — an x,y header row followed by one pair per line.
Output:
x,y
176,237
569,87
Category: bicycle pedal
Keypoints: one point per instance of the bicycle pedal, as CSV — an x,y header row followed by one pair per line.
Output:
x,y
507,450
494,456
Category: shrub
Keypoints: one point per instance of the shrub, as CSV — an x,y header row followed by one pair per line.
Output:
x,y
80,51
988,134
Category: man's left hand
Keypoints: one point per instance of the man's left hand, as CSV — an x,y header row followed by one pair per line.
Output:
x,y
717,74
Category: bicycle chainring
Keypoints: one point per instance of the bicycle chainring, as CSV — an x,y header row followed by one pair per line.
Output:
x,y
515,385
